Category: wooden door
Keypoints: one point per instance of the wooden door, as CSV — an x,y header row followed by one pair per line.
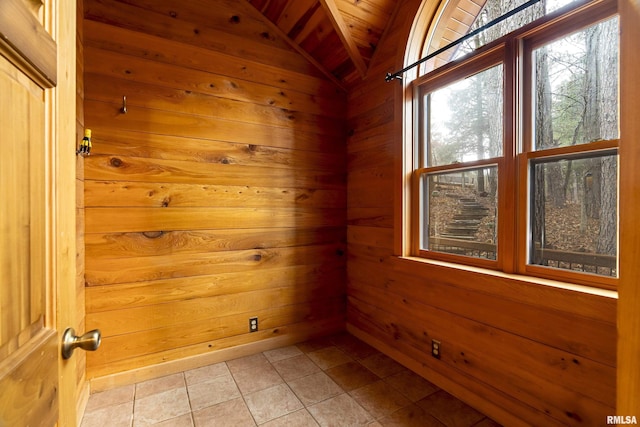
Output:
x,y
30,233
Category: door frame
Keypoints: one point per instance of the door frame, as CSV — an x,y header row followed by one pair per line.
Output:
x,y
628,381
39,40
69,301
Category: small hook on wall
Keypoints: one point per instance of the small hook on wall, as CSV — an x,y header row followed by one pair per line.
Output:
x,y
123,110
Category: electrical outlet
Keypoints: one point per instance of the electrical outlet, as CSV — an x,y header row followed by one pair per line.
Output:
x,y
253,324
435,348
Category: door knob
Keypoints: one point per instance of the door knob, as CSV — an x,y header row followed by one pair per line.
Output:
x,y
89,341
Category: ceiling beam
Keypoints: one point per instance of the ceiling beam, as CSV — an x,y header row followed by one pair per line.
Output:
x,y
278,32
342,29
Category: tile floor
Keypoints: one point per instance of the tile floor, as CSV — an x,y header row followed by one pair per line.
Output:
x,y
334,381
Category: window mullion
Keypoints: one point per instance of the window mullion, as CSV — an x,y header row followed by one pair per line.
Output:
x,y
508,178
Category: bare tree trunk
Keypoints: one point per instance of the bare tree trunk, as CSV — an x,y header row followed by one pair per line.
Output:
x,y
479,131
544,129
556,183
607,239
592,127
495,127
544,122
570,172
538,215
544,139
601,122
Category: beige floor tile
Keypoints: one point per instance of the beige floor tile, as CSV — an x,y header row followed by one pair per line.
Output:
x,y
212,392
274,402
353,346
295,367
119,415
410,416
282,353
255,379
315,388
329,357
340,411
451,411
278,383
411,385
232,413
181,421
382,365
351,376
159,385
248,362
111,397
301,418
161,407
315,344
379,399
206,373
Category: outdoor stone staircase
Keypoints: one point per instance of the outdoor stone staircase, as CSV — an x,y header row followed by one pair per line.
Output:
x,y
466,221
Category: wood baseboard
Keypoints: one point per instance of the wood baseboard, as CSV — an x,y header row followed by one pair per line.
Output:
x,y
482,403
133,376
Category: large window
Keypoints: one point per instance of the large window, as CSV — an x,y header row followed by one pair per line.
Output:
x,y
515,164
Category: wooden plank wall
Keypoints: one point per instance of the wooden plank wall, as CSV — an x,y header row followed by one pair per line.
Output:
x,y
523,353
220,194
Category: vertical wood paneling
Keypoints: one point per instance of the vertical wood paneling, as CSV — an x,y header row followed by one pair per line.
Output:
x,y
220,195
547,354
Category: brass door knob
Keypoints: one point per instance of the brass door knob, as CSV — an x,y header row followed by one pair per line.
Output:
x,y
89,341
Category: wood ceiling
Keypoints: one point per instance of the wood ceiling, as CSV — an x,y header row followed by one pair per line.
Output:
x,y
340,36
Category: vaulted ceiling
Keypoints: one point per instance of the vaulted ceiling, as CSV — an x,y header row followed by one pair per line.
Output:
x,y
340,36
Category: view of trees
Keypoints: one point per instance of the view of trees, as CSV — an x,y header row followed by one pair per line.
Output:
x,y
576,103
575,97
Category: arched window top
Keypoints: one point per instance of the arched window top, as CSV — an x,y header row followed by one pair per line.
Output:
x,y
456,18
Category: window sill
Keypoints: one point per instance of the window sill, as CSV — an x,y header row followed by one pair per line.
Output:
x,y
409,262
